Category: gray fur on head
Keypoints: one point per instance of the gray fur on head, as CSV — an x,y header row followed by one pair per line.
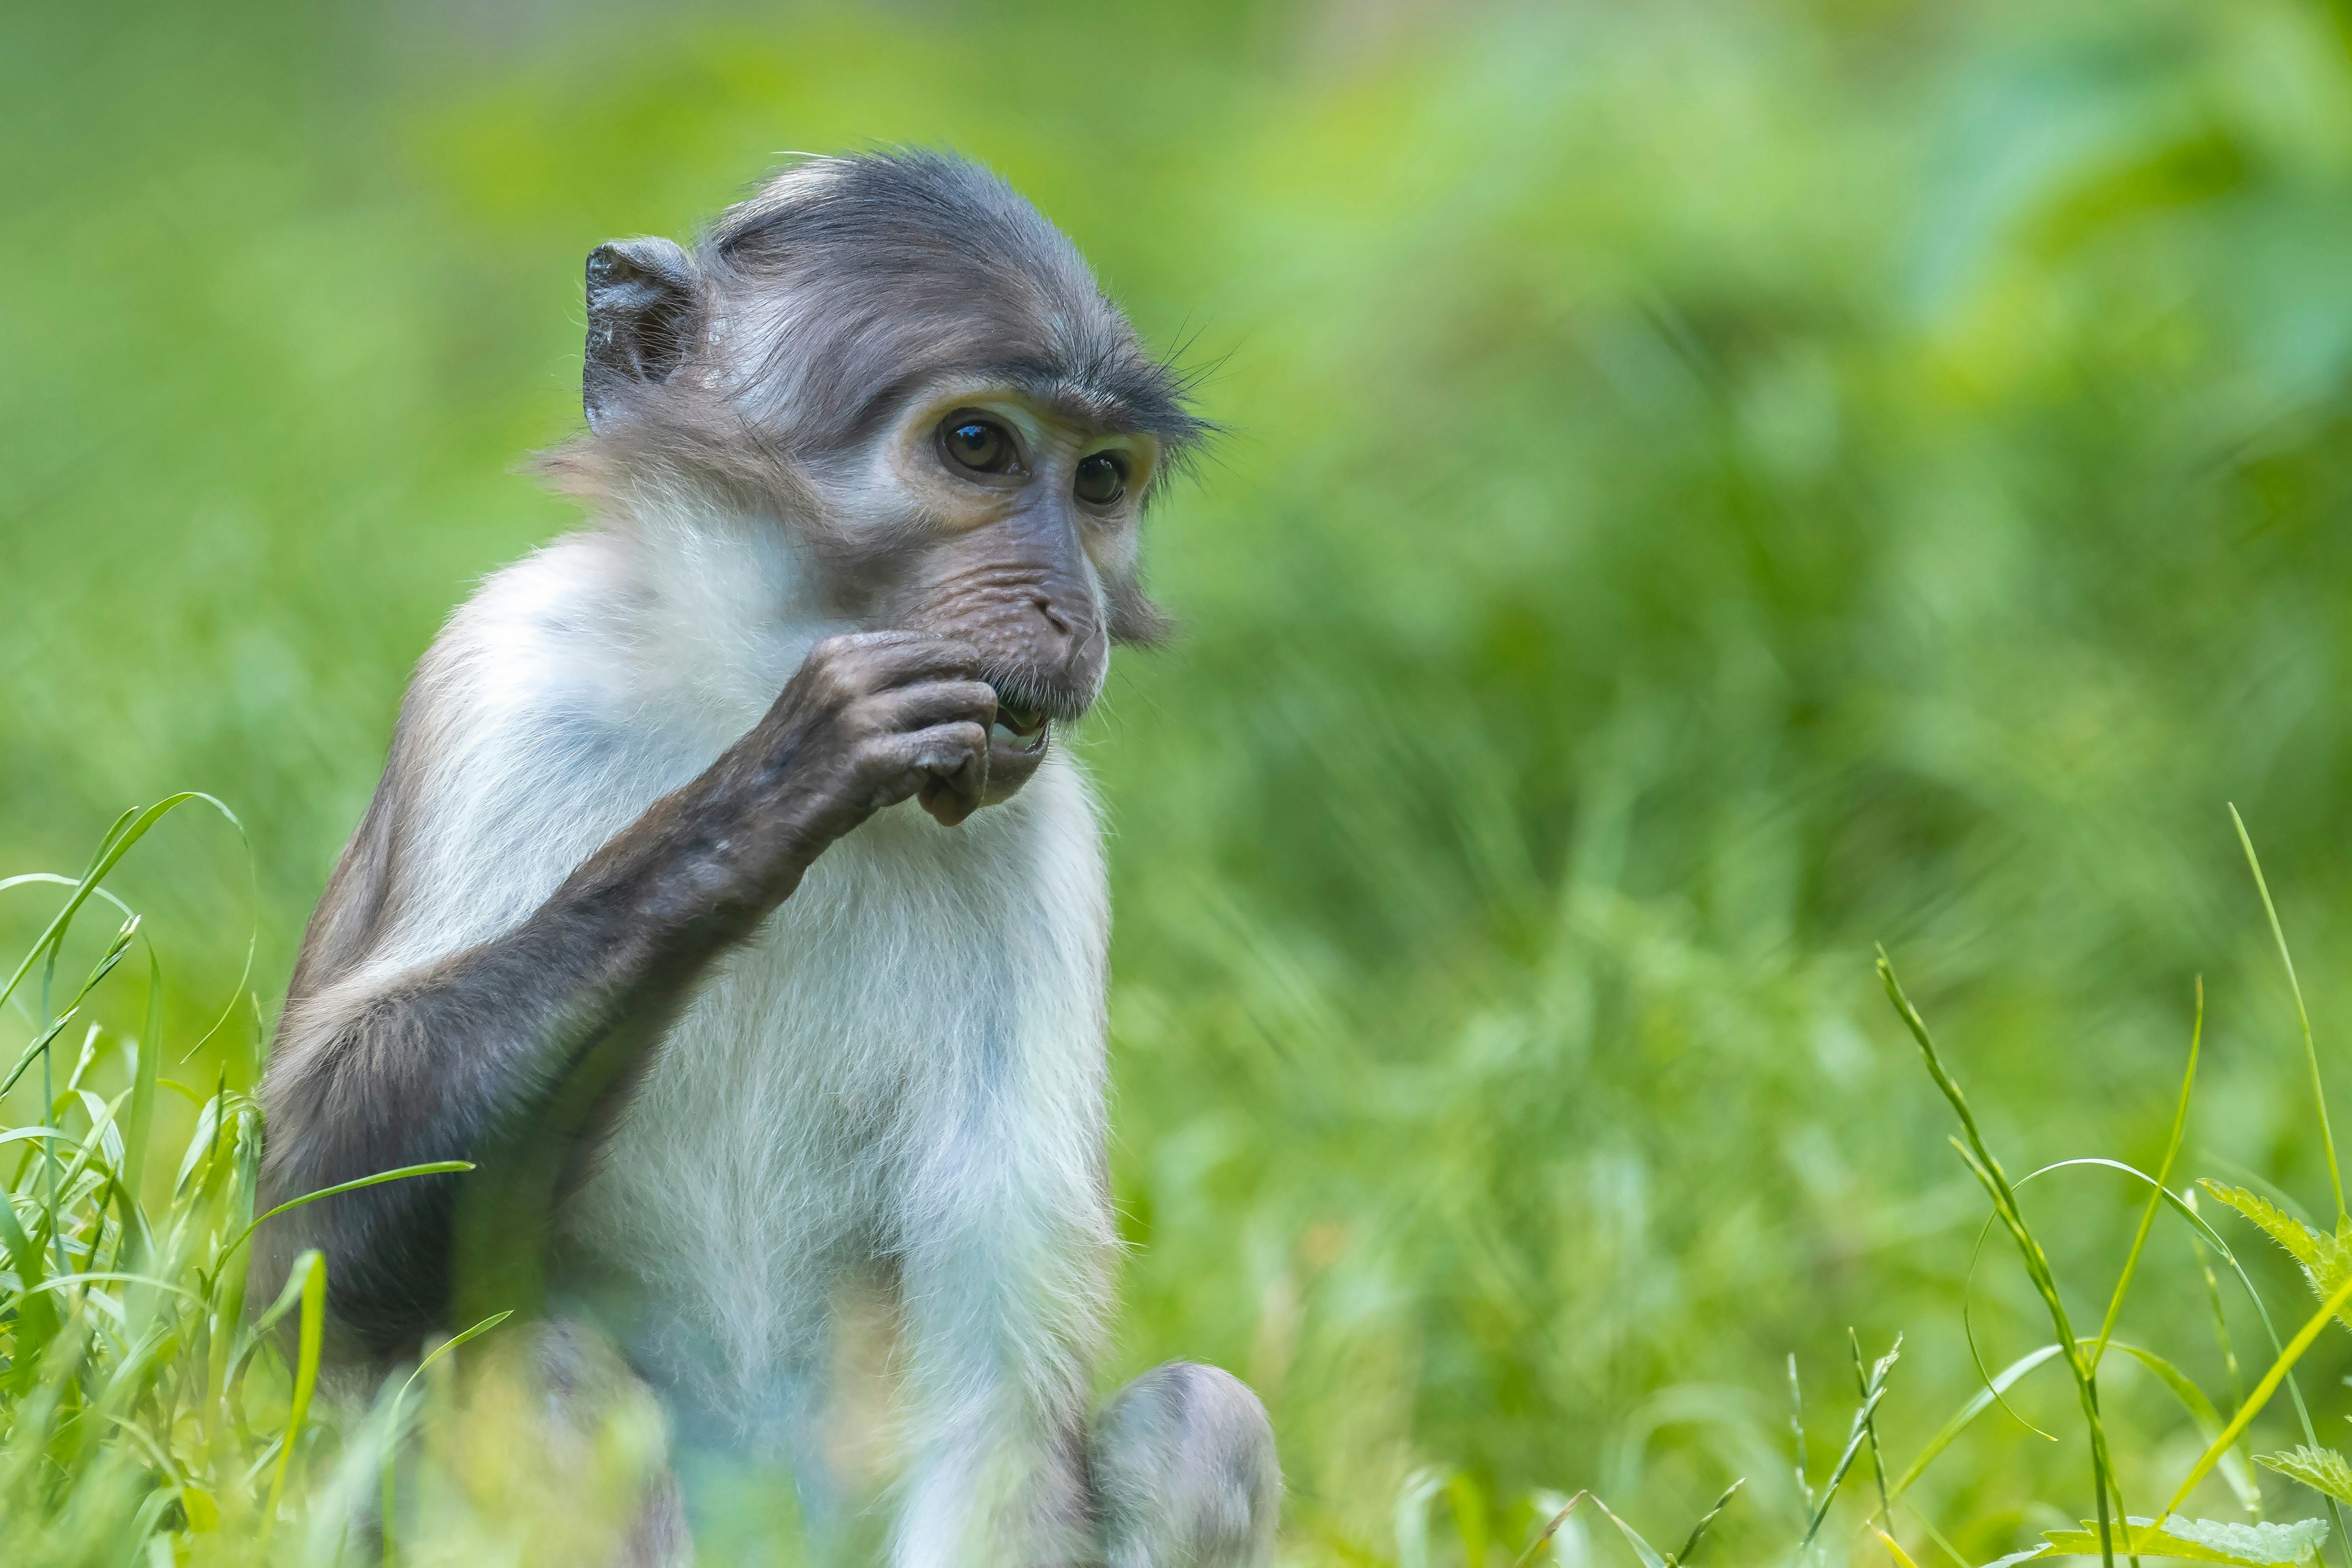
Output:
x,y
842,287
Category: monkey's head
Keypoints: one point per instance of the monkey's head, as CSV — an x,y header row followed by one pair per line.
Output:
x,y
898,360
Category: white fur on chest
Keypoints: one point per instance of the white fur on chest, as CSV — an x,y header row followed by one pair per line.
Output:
x,y
923,988
926,991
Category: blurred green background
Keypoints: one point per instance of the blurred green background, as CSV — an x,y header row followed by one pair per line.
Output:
x,y
1709,488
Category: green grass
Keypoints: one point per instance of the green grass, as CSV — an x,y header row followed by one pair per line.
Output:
x,y
148,1416
1711,489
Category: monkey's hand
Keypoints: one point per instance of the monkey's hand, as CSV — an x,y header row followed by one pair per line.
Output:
x,y
867,720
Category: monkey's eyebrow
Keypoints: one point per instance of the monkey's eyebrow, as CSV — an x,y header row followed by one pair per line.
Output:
x,y
1120,392
1106,397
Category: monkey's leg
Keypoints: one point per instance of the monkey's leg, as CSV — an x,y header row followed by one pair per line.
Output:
x,y
561,1440
1184,1472
1001,1292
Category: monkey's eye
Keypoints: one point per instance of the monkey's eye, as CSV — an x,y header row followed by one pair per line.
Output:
x,y
980,444
1101,478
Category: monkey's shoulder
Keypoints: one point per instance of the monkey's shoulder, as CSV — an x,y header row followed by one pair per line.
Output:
x,y
528,738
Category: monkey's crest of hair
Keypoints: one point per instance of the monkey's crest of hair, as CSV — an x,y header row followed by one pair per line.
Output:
x,y
812,311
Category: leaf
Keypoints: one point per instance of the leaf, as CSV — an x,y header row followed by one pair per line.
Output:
x,y
2326,1259
477,1332
1982,1401
1642,1549
2282,1227
2252,1407
311,1270
1469,1515
430,1168
2267,1543
2200,1540
2323,1471
1698,1531
1421,1488
1535,1548
2232,1463
1873,1390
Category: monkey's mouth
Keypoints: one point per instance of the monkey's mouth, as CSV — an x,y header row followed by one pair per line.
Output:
x,y
1019,728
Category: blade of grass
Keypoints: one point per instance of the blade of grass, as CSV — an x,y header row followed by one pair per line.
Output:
x,y
2303,1017
2163,1175
2221,1314
1983,1401
2259,1396
430,1168
1535,1548
1698,1532
391,1490
1870,1425
1642,1550
128,830
1969,1333
1978,1157
56,1026
1873,1390
145,1065
1797,1431
312,1267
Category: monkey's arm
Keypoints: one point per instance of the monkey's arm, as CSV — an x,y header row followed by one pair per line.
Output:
x,y
474,1051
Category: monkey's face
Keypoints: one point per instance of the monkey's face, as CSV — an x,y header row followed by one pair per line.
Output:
x,y
1013,525
899,358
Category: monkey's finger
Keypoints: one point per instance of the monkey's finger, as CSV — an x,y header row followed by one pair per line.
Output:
x,y
880,659
942,749
946,766
935,702
947,807
921,657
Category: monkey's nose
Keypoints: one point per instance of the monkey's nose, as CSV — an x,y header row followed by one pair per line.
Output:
x,y
1054,617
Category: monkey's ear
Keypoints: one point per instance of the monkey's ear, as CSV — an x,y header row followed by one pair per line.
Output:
x,y
645,307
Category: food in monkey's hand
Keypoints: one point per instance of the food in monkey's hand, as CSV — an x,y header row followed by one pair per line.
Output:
x,y
1018,725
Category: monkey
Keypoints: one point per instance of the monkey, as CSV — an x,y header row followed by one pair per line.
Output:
x,y
730,900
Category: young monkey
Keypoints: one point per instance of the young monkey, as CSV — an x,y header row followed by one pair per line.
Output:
x,y
725,1021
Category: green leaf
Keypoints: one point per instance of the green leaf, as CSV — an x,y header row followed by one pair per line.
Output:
x,y
310,1269
1543,1539
2326,1260
1649,1554
2232,1463
2200,1540
1698,1531
1977,1405
1469,1502
2289,1232
2323,1471
1421,1490
1873,1390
